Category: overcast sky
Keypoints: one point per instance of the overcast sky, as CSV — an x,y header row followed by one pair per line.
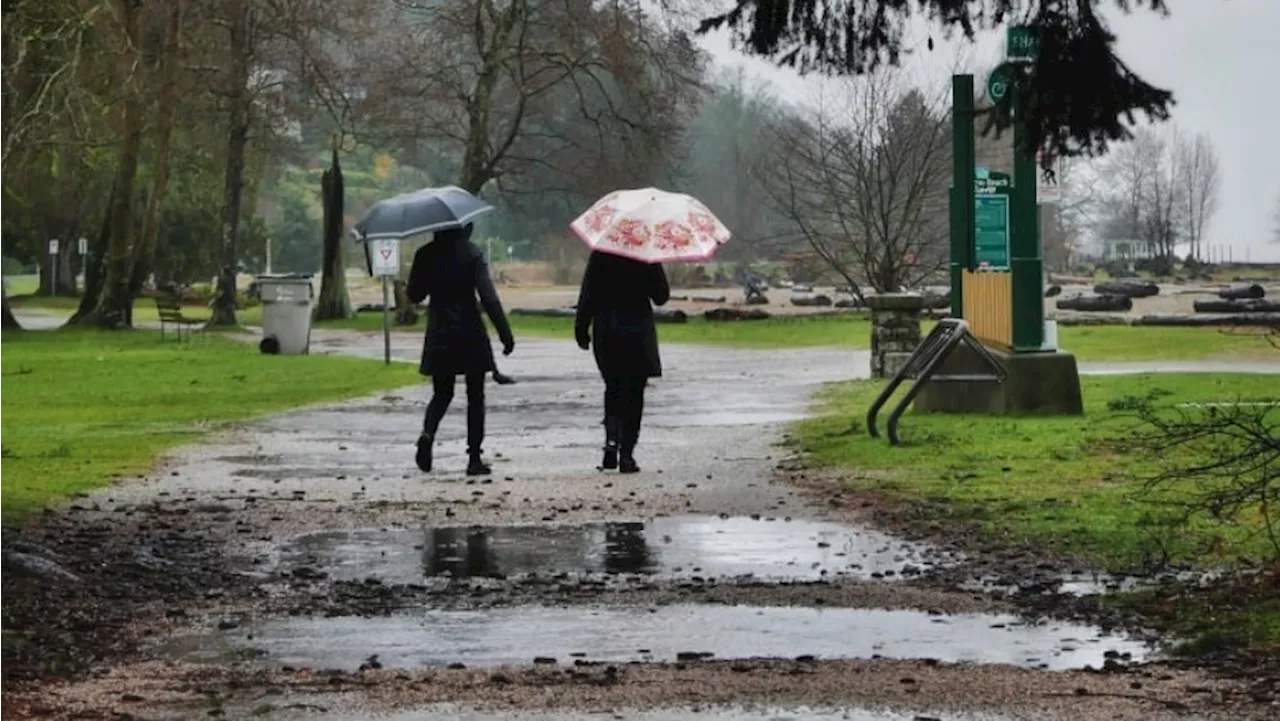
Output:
x,y
1221,58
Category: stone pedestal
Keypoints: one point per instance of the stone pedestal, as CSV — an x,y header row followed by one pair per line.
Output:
x,y
895,331
1037,383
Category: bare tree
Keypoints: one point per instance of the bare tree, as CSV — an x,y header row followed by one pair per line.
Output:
x,y
1164,190
1275,222
863,178
1201,179
513,89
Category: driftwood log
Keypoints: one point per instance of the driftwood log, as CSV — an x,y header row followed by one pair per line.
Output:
x,y
678,297
1096,303
1257,305
545,312
733,314
810,300
1264,320
670,315
709,299
848,303
1243,291
1053,291
758,299
796,288
1128,287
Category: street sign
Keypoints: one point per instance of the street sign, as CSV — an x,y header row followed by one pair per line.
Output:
x,y
84,246
386,257
990,182
1048,191
53,246
1021,43
998,83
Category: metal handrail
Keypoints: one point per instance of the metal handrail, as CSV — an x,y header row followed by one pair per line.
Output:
x,y
945,337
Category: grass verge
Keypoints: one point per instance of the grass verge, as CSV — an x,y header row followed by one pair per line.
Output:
x,y
1089,343
1061,485
84,406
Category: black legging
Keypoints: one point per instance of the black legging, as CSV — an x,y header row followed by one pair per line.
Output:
x,y
442,395
624,405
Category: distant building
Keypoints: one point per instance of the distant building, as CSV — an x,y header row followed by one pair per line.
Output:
x,y
1128,249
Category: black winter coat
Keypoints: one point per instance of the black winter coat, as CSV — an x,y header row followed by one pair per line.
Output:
x,y
452,271
615,303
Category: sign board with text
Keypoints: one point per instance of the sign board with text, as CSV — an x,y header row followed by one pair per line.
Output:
x,y
386,257
991,220
1021,43
53,246
84,246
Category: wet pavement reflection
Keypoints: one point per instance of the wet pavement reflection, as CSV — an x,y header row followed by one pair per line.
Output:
x,y
706,546
518,635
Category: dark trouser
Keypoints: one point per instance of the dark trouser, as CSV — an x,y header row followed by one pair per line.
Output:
x,y
623,409
442,396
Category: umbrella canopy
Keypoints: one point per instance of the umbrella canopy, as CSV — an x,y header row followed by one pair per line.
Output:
x,y
651,225
422,211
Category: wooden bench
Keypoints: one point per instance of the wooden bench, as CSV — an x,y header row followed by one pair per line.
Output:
x,y
170,311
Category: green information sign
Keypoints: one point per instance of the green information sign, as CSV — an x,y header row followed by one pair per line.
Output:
x,y
991,220
991,231
1021,43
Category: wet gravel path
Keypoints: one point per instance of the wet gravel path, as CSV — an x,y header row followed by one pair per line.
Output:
x,y
216,544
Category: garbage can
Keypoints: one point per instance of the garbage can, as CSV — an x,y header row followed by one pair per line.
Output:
x,y
286,313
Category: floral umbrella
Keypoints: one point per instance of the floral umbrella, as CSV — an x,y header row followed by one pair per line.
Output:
x,y
652,226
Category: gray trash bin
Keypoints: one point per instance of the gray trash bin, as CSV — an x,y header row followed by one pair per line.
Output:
x,y
286,313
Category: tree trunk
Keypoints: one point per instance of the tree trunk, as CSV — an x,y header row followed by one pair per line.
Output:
x,y
224,301
406,314
94,265
144,253
115,304
334,302
7,321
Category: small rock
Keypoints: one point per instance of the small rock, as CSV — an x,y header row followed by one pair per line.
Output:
x,y
544,661
131,697
456,666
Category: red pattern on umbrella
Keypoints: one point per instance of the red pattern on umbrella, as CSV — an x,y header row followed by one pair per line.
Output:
x,y
600,217
673,235
629,234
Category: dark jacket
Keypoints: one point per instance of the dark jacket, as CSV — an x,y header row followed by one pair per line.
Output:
x,y
452,271
615,302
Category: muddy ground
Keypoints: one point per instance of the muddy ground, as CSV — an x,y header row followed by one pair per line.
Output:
x,y
301,567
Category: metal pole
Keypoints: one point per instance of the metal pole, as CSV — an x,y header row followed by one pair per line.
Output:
x,y
386,322
53,274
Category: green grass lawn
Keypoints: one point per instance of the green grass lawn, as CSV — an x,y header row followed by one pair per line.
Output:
x,y
81,407
1064,486
1088,343
1056,481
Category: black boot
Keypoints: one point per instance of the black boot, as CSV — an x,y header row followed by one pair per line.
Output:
x,y
610,460
425,441
627,463
476,466
503,379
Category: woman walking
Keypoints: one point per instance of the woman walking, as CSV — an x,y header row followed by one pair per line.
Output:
x,y
614,303
452,271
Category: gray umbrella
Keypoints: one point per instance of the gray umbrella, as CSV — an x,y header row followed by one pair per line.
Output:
x,y
422,211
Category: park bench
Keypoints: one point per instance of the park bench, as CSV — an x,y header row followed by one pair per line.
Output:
x,y
170,311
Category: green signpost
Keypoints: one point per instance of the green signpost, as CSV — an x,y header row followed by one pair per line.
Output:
x,y
991,219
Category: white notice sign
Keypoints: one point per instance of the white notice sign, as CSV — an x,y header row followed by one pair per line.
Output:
x,y
53,246
386,257
84,246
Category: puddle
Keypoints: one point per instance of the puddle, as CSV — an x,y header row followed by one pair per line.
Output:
x,y
674,547
664,634
1085,584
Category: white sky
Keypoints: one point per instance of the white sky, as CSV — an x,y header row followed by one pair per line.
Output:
x,y
1221,58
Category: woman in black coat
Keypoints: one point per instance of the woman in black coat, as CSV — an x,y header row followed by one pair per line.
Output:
x,y
452,271
615,303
